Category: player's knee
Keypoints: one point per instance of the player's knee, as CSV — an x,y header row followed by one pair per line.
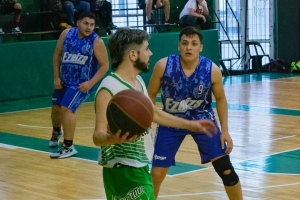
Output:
x,y
226,171
158,173
165,2
64,110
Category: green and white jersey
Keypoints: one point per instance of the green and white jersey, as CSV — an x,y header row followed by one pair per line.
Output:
x,y
138,153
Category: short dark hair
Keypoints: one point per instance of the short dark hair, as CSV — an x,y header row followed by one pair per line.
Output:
x,y
119,42
190,30
87,14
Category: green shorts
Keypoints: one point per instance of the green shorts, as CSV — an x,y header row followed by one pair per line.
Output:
x,y
128,183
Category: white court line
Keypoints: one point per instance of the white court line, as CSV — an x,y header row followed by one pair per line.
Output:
x,y
7,146
166,196
284,137
236,162
45,152
48,127
215,192
260,106
294,83
93,102
265,80
19,111
206,168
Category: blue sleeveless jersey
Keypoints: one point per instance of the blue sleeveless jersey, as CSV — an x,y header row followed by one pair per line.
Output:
x,y
79,63
187,97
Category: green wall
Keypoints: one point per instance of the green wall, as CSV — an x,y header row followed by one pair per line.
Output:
x,y
287,43
26,67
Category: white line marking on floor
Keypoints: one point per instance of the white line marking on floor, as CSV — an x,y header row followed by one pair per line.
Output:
x,y
215,192
7,146
237,162
48,127
284,137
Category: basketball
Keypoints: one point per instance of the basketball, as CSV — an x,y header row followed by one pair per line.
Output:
x,y
131,111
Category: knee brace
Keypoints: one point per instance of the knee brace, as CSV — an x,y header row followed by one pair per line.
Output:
x,y
222,165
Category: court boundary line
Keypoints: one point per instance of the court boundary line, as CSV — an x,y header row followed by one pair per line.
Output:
x,y
50,127
33,109
284,137
206,168
261,80
178,195
213,101
28,149
215,192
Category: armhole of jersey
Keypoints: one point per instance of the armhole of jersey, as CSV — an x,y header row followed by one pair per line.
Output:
x,y
142,83
96,95
211,68
104,88
66,37
168,63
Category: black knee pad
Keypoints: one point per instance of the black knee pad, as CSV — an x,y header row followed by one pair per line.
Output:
x,y
223,164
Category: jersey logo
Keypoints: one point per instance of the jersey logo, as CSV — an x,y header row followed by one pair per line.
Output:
x,y
182,106
136,193
156,157
74,58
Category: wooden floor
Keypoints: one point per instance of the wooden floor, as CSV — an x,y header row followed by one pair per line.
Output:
x,y
264,117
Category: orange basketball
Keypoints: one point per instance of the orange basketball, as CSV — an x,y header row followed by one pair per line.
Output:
x,y
131,111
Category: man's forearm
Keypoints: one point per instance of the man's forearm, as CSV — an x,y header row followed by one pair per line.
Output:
x,y
99,75
205,11
56,65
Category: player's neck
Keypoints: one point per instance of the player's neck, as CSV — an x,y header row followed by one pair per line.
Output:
x,y
128,74
189,65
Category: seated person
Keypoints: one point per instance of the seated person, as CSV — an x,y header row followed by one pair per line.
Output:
x,y
70,6
154,4
103,9
11,6
195,12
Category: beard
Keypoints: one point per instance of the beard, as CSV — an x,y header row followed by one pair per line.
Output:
x,y
140,65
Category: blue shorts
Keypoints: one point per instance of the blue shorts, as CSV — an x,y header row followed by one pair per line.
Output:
x,y
168,141
69,97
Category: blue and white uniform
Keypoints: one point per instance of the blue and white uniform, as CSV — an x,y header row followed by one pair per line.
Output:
x,y
78,64
189,98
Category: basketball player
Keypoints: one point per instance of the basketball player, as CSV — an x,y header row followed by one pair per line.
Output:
x,y
125,160
75,62
188,80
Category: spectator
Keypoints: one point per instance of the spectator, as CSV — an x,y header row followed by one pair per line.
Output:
x,y
195,12
70,6
11,6
155,4
104,11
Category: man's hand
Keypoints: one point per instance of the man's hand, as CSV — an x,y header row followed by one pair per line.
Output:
x,y
117,138
85,86
225,137
158,4
57,84
204,126
203,18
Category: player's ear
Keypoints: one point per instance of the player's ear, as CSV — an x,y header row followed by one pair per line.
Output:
x,y
201,48
77,23
133,55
